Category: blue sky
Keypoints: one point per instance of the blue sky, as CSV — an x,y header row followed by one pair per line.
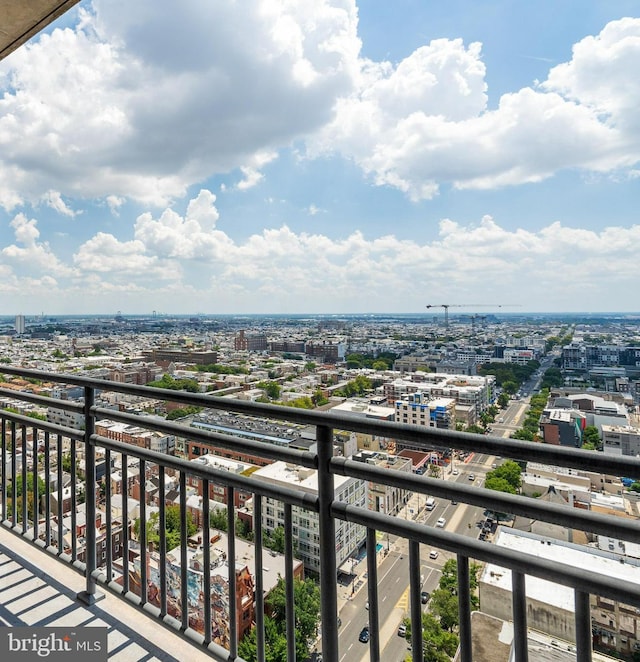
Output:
x,y
326,156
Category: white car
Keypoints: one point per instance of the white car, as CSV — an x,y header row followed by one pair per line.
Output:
x,y
441,522
455,472
433,554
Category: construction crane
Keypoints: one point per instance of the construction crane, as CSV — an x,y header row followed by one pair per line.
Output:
x,y
446,307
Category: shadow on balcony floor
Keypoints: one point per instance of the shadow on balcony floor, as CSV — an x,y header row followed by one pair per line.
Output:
x,y
38,590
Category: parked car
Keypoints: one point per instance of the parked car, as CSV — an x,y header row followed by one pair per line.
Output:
x,y
402,630
364,634
424,597
472,477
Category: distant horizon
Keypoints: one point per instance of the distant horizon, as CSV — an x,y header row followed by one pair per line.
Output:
x,y
431,315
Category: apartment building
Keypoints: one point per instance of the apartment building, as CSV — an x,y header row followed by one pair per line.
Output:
x,y
386,498
167,355
250,342
217,492
472,394
306,529
137,436
419,409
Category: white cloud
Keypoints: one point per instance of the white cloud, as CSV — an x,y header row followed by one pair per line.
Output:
x,y
138,101
191,237
28,254
425,122
181,263
54,200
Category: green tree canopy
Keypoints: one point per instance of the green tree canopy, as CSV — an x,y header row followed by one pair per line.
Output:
x,y
510,471
438,645
503,400
499,485
271,388
173,527
168,382
591,435
307,617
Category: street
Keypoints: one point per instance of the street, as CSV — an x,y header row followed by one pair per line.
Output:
x,y
393,571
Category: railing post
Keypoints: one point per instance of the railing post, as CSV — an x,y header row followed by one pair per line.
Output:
x,y
583,627
464,608
328,570
372,585
90,595
290,605
520,636
415,604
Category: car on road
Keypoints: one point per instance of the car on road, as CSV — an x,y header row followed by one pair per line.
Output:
x,y
433,554
424,597
364,634
402,630
455,472
472,477
441,522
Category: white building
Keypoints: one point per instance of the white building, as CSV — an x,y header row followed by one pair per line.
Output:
x,y
621,440
20,324
472,394
551,606
306,527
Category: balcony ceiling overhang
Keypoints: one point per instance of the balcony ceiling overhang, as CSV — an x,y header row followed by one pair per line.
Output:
x,y
22,19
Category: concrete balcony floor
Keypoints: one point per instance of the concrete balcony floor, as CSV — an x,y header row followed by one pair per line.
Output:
x,y
38,590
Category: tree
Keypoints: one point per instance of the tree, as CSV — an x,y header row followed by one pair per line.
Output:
x,y
499,485
444,600
307,617
272,389
275,646
275,539
444,604
319,399
167,381
173,527
591,437
510,471
503,400
510,387
20,493
181,412
438,645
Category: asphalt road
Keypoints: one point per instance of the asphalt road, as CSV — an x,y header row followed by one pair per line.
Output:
x,y
393,574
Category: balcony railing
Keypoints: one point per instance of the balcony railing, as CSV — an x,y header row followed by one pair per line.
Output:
x,y
40,519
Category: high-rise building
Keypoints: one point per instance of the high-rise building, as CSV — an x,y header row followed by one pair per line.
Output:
x,y
20,324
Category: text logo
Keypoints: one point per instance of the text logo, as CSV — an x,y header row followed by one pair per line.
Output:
x,y
29,644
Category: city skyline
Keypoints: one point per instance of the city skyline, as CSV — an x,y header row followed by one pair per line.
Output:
x,y
337,158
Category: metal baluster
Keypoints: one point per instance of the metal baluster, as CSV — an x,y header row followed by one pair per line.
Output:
x,y
519,601
464,608
328,570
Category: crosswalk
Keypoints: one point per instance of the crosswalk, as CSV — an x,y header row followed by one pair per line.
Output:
x,y
403,602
